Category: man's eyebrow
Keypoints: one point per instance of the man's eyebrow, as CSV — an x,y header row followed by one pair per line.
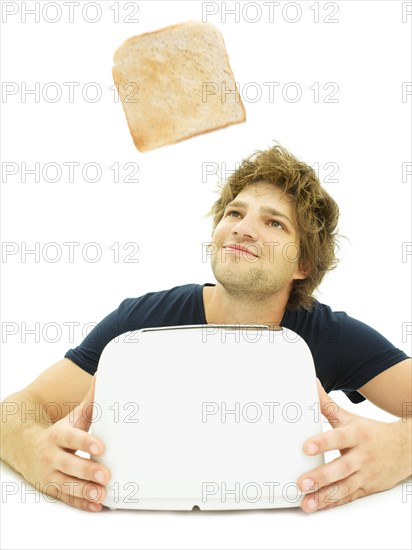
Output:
x,y
263,209
274,212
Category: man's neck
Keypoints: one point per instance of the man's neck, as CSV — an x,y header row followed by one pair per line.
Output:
x,y
222,308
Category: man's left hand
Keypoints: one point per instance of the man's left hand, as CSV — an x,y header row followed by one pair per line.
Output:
x,y
375,456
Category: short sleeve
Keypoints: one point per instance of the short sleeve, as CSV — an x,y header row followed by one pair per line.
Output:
x,y
87,354
365,353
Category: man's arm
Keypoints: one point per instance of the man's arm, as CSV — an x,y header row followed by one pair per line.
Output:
x,y
42,427
391,390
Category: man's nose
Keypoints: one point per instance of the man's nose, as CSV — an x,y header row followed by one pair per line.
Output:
x,y
245,228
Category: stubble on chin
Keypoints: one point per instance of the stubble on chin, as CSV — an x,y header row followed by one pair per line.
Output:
x,y
245,282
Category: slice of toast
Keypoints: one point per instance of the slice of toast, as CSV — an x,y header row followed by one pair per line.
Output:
x,y
176,83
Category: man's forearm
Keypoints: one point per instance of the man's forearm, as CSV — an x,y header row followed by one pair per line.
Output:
x,y
405,424
22,419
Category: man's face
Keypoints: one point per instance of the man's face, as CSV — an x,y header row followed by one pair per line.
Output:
x,y
255,245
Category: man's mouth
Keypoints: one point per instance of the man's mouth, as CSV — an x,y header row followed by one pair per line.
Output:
x,y
240,249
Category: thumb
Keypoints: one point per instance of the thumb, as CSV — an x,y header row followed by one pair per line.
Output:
x,y
334,414
83,413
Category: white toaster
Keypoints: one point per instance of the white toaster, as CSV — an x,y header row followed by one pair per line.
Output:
x,y
207,416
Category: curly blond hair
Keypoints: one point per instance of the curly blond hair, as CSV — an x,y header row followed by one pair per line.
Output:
x,y
315,210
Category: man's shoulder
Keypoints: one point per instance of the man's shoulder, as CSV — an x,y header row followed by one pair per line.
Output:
x,y
323,324
169,294
317,312
173,306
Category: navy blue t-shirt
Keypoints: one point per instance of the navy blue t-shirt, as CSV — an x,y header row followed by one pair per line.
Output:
x,y
347,353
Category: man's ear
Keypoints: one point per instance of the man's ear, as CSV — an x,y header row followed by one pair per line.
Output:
x,y
304,270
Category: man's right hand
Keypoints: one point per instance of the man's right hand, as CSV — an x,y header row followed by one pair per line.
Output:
x,y
59,472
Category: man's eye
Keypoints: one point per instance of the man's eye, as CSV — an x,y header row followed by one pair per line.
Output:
x,y
233,213
276,224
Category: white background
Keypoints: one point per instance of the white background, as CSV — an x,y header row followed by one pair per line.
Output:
x,y
366,134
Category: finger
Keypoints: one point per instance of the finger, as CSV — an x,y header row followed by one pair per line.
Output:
x,y
76,439
82,468
64,491
338,469
75,487
335,494
335,414
82,504
339,439
83,414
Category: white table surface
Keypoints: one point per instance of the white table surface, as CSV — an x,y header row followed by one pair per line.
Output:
x,y
378,521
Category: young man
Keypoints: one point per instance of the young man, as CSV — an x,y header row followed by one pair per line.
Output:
x,y
273,241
